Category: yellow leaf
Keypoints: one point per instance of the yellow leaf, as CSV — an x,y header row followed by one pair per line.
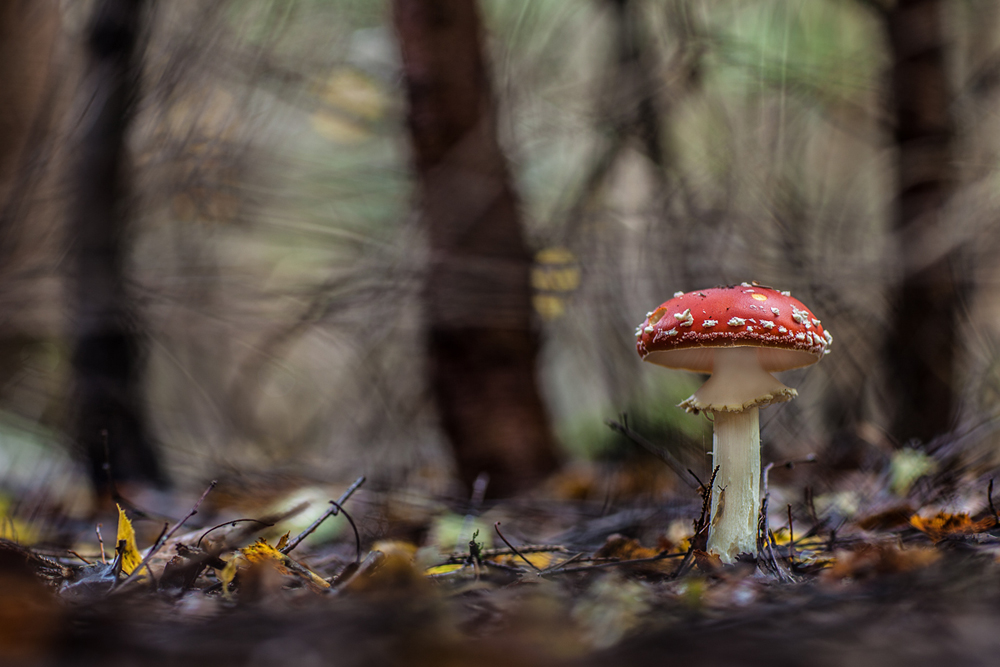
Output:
x,y
262,553
540,559
283,541
781,536
226,576
443,569
130,552
624,548
12,528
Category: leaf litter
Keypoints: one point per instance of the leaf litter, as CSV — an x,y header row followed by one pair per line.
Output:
x,y
909,570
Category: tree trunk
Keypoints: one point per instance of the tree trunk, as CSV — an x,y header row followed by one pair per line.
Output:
x,y
28,36
110,425
924,329
482,345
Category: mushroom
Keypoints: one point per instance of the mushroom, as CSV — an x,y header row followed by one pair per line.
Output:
x,y
740,335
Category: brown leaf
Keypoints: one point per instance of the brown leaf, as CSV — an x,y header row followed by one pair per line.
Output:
x,y
893,517
392,572
869,560
943,525
624,548
707,562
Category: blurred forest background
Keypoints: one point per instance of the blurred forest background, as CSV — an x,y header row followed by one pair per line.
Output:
x,y
321,238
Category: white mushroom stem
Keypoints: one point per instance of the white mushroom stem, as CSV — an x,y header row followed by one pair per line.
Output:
x,y
738,387
736,494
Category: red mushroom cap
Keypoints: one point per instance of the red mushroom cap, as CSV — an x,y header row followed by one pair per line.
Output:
x,y
682,332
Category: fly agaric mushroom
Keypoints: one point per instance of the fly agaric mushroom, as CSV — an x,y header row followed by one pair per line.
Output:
x,y
740,335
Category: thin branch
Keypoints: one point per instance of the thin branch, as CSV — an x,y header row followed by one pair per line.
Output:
x,y
700,526
100,540
496,527
165,537
79,556
993,509
559,566
598,566
461,557
333,511
228,523
791,538
765,538
357,536
791,463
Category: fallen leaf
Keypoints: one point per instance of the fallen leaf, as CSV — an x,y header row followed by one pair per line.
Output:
x,y
131,558
262,553
540,559
624,548
443,569
226,576
869,560
943,525
387,572
707,562
887,519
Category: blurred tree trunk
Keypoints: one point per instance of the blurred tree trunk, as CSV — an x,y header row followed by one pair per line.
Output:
x,y
27,40
926,304
110,423
28,33
482,345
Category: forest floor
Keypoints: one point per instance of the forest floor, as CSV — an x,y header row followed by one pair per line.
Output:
x,y
881,574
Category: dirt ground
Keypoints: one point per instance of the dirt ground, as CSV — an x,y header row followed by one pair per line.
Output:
x,y
560,580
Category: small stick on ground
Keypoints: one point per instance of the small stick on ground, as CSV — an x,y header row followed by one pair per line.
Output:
x,y
700,537
791,463
993,510
496,527
232,523
791,538
598,566
100,540
354,527
811,505
70,551
765,538
333,511
165,537
563,564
